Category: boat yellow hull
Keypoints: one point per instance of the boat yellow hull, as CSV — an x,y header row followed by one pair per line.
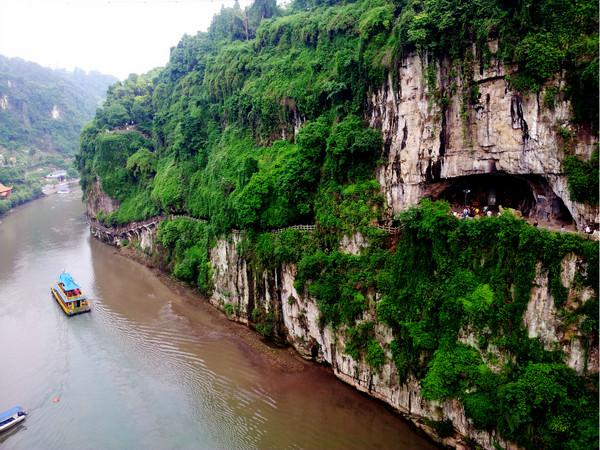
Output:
x,y
68,311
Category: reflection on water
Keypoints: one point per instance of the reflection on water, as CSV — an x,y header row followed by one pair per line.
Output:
x,y
147,369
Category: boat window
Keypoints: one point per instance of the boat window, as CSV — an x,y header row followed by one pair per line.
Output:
x,y
10,419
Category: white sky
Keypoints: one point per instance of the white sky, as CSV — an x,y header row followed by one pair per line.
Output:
x,y
116,37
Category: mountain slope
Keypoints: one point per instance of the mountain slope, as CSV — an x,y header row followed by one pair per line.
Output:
x,y
43,109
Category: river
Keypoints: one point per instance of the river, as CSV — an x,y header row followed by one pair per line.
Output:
x,y
149,367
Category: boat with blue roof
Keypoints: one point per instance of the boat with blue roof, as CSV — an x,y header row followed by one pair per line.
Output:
x,y
69,296
11,417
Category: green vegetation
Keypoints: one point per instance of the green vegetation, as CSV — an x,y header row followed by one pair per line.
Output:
x,y
256,125
362,344
264,321
212,118
25,187
229,309
582,178
542,37
188,243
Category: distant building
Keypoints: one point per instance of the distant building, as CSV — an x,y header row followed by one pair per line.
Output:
x,y
59,175
5,191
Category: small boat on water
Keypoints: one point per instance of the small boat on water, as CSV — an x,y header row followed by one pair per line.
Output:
x,y
11,417
69,296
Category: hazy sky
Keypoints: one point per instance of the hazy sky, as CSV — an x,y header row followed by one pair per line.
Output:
x,y
117,37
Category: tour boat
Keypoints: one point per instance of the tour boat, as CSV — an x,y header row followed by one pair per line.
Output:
x,y
69,296
11,417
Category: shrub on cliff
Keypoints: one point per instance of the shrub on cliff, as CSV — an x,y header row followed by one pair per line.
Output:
x,y
187,243
582,178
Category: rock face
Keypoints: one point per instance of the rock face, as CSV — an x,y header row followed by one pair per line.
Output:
x,y
299,314
433,145
543,321
97,201
230,279
242,292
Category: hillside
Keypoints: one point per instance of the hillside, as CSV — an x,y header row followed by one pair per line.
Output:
x,y
43,109
42,112
353,116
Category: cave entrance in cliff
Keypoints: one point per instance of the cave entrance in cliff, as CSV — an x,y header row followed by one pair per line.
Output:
x,y
529,194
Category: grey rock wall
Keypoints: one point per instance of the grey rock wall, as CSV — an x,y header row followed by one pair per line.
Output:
x,y
428,146
299,315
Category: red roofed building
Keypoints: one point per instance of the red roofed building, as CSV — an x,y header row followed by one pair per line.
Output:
x,y
5,191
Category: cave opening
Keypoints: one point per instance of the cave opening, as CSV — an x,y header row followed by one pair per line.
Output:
x,y
531,195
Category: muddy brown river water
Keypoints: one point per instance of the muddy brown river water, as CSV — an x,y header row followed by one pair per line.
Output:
x,y
152,367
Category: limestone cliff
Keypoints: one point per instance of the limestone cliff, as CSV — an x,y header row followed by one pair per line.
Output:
x,y
239,290
433,149
431,145
298,320
98,202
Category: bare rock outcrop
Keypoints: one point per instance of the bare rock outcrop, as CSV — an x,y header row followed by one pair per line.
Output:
x,y
431,145
98,201
543,319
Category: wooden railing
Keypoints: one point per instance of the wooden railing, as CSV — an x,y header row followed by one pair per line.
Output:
x,y
388,229
295,227
130,227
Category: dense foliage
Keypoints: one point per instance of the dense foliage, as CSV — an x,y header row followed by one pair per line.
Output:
x,y
213,113
454,292
188,242
25,188
256,125
582,178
